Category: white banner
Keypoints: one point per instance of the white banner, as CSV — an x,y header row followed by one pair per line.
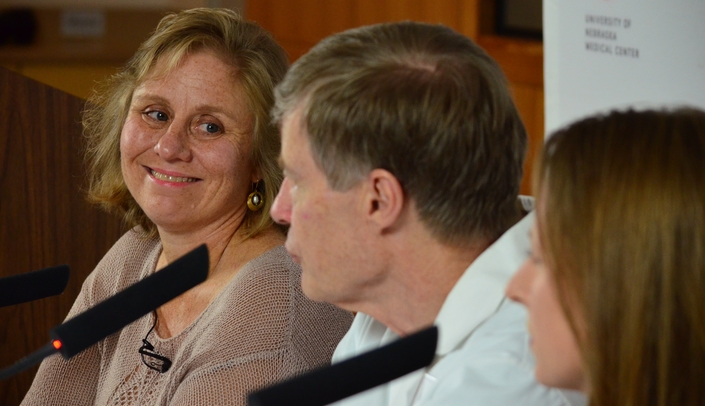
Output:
x,y
605,54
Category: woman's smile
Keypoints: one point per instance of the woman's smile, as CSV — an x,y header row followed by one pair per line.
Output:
x,y
170,177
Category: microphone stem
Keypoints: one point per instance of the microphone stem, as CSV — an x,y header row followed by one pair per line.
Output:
x,y
28,361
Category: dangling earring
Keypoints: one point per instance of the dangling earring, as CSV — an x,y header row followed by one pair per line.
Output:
x,y
255,200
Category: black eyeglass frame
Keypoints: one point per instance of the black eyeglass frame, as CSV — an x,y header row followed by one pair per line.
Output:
x,y
154,361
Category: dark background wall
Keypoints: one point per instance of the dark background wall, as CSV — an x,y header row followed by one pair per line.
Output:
x,y
44,218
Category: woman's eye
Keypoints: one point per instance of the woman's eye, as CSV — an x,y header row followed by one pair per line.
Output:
x,y
537,260
210,128
157,115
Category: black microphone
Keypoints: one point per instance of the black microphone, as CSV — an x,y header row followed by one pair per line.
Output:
x,y
338,381
114,313
34,285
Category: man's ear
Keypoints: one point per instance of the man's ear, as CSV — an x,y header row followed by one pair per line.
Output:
x,y
385,198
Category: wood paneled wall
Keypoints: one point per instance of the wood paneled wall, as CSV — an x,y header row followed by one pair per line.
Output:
x,y
75,64
46,220
300,24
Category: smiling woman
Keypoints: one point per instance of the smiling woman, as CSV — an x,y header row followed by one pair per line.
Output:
x,y
186,162
179,142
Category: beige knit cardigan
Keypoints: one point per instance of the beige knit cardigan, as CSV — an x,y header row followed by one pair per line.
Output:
x,y
260,329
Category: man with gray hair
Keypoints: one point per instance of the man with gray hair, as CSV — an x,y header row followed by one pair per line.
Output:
x,y
402,153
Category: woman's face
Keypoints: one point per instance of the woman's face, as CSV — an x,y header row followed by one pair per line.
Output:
x,y
186,145
554,346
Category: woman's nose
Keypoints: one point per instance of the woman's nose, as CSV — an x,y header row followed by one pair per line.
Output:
x,y
173,144
518,287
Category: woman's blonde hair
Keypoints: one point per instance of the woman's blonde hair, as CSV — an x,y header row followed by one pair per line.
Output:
x,y
259,63
621,200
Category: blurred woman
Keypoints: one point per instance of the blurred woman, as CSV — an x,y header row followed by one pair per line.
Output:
x,y
180,143
615,286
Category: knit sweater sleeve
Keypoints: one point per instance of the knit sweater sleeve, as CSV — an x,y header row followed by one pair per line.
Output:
x,y
72,382
76,381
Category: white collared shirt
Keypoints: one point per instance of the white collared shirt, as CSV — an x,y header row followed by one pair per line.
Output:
x,y
483,356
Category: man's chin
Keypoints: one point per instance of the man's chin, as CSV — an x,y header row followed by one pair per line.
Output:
x,y
312,292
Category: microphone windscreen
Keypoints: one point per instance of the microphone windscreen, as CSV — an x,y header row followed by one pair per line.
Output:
x,y
338,381
114,313
33,285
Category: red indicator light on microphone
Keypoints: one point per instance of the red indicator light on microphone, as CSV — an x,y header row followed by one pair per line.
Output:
x,y
57,344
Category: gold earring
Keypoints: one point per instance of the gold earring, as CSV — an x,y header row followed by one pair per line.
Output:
x,y
255,200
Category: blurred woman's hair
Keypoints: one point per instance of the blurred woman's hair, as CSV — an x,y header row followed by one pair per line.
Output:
x,y
258,62
621,216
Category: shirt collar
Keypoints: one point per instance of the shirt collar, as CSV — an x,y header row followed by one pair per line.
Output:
x,y
480,290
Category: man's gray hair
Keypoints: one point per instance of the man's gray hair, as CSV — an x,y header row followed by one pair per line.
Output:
x,y
423,102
